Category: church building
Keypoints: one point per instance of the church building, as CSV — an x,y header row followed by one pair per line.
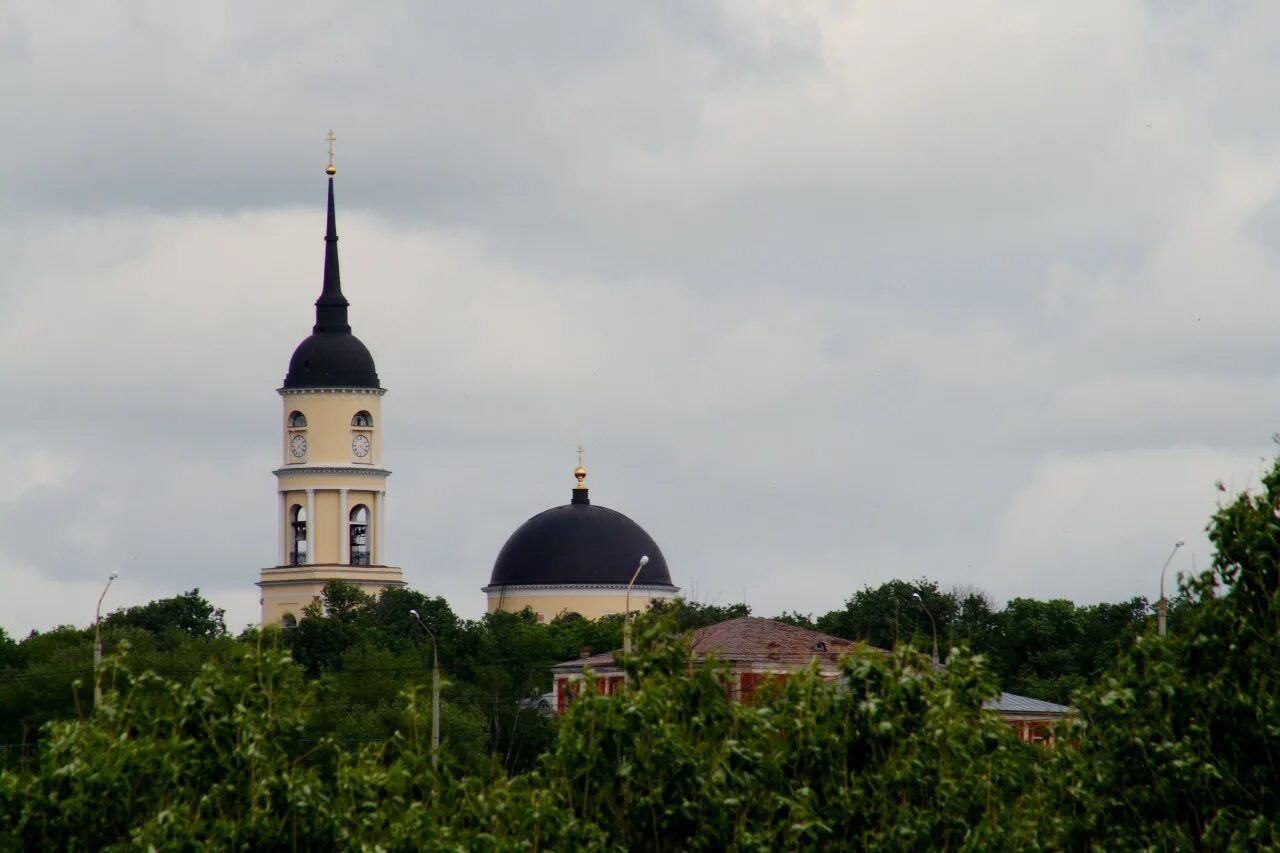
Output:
x,y
332,485
332,492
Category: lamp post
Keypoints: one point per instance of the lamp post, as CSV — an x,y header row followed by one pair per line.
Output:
x,y
97,642
435,689
917,597
626,616
1160,610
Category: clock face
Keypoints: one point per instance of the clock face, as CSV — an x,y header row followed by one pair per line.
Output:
x,y
298,446
360,446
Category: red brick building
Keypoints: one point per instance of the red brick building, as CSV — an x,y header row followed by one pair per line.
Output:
x,y
753,648
756,649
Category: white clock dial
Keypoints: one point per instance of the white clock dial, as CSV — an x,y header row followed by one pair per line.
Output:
x,y
298,446
360,446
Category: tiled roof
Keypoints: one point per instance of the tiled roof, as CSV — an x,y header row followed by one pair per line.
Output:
x,y
750,639
1011,703
753,639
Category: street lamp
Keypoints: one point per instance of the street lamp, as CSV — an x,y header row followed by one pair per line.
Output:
x,y
917,597
435,688
1160,611
97,642
626,615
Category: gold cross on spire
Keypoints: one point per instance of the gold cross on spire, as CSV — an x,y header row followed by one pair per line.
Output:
x,y
580,473
329,170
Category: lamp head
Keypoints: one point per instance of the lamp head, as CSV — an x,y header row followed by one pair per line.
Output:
x,y
413,613
643,561
114,575
1179,543
916,595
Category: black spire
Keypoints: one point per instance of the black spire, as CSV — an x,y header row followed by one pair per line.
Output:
x,y
331,307
331,357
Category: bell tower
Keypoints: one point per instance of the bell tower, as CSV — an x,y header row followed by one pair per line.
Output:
x,y
331,484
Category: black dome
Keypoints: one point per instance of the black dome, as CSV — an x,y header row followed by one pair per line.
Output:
x,y
328,360
579,544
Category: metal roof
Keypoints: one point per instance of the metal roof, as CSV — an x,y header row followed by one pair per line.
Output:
x,y
1009,703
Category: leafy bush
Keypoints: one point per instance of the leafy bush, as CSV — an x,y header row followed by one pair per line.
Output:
x,y
895,754
1177,747
224,762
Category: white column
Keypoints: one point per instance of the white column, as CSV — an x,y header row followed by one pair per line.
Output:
x,y
345,527
284,530
311,526
379,510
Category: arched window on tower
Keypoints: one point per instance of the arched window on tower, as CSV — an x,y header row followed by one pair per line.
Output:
x,y
362,419
297,420
298,526
360,536
288,620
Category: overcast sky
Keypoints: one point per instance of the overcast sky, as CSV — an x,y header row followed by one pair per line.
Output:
x,y
831,293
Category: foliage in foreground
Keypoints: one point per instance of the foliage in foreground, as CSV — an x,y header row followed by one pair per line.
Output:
x,y
1179,746
1176,748
363,652
894,755
902,757
224,761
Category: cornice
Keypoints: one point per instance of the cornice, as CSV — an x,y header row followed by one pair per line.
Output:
x,y
285,392
381,583
301,470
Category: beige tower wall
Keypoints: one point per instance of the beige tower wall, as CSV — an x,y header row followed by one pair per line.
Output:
x,y
328,467
327,528
329,429
289,589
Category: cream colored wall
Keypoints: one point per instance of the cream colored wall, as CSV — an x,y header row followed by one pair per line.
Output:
x,y
290,589
328,429
360,496
329,433
329,521
326,536
303,480
590,606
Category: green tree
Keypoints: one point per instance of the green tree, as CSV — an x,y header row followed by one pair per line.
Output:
x,y
976,624
344,602
10,652
189,613
52,679
225,761
891,613
1037,652
1177,743
691,615
319,643
800,620
898,756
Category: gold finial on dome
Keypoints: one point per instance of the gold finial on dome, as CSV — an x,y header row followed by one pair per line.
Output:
x,y
329,170
580,472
